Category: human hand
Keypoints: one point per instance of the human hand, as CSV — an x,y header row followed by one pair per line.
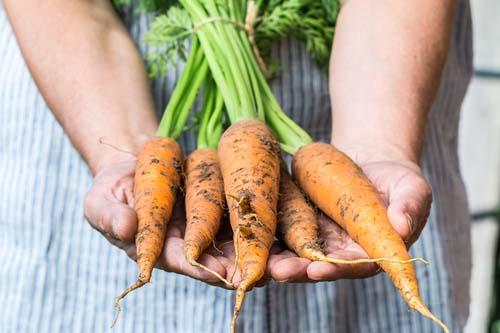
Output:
x,y
109,209
408,196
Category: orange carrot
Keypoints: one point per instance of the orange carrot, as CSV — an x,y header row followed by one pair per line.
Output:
x,y
298,226
205,204
250,164
341,190
157,180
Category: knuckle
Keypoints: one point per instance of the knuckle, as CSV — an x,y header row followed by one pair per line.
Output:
x,y
88,203
103,224
424,187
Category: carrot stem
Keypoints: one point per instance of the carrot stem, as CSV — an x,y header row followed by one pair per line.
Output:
x,y
184,95
210,129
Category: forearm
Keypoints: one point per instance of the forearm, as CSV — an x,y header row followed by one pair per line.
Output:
x,y
89,72
386,65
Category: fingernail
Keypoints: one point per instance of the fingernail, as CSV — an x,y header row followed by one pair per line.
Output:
x,y
411,225
115,226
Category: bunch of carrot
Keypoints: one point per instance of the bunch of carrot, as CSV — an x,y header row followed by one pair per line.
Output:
x,y
239,169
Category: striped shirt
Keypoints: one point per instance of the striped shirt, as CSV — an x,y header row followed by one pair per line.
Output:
x,y
59,275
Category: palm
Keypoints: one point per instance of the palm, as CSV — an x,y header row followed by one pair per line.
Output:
x,y
109,203
408,197
109,209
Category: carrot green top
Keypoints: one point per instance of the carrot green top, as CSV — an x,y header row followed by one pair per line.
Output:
x,y
232,63
184,95
210,128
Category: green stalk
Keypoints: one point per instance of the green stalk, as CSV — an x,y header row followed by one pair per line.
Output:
x,y
216,60
237,65
197,70
183,114
291,135
209,135
248,57
176,99
219,42
208,104
239,79
215,128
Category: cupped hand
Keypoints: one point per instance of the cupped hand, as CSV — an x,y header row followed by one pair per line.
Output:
x,y
109,209
408,197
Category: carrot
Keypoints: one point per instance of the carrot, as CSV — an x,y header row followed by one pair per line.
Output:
x,y
204,187
205,204
158,172
298,226
250,164
342,191
157,180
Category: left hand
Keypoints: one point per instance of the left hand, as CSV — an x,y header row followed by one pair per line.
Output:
x,y
408,196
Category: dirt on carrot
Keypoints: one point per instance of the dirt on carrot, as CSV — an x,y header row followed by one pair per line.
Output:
x,y
298,226
250,164
297,223
205,205
341,190
156,183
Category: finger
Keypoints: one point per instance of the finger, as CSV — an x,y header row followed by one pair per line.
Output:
x,y
287,267
409,208
277,248
128,247
225,261
122,191
129,196
179,211
263,282
223,249
179,217
322,271
113,219
329,228
175,230
401,220
130,250
172,259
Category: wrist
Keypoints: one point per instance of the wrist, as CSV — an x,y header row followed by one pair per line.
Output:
x,y
377,150
107,151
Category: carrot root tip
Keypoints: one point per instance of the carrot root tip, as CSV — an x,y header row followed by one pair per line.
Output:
x,y
139,283
217,249
194,263
236,253
427,313
314,254
240,297
375,260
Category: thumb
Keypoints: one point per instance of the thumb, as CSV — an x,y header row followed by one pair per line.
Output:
x,y
409,207
401,220
113,219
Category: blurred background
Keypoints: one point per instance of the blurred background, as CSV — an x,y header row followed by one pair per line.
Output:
x,y
479,147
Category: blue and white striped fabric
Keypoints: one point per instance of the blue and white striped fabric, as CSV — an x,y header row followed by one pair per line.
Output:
x,y
59,275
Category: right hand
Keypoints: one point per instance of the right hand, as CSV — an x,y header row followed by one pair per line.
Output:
x,y
109,209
